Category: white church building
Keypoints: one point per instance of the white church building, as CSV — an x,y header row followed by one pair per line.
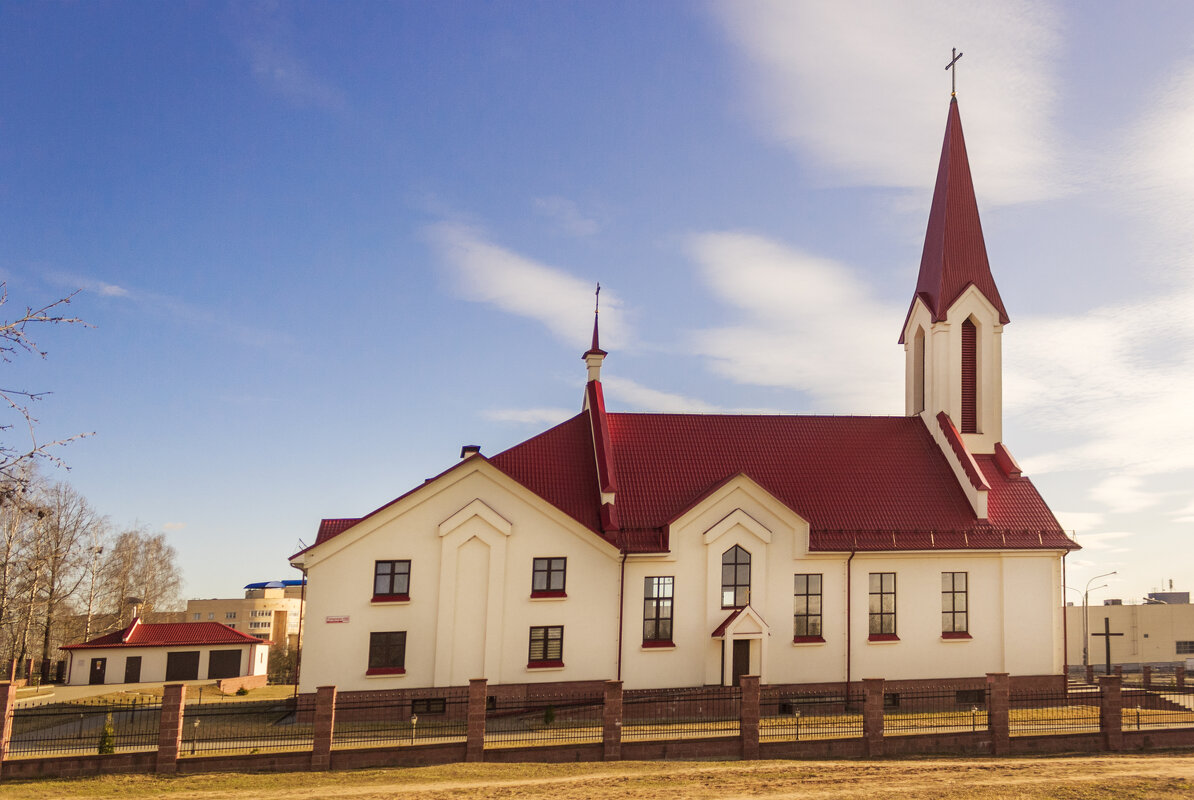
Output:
x,y
678,550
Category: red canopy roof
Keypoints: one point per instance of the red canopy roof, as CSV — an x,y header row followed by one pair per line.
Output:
x,y
140,634
955,254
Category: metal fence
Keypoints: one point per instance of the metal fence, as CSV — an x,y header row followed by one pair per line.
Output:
x,y
248,727
84,728
1054,712
1166,707
517,722
681,714
787,716
365,721
934,711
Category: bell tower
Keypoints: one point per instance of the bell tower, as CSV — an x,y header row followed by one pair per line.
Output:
x,y
952,334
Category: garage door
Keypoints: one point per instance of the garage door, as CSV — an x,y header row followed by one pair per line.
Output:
x,y
223,664
182,666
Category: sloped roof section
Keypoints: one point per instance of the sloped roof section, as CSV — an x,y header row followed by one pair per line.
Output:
x,y
955,254
170,634
863,483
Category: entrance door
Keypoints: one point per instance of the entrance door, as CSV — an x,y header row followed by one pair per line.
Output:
x,y
98,667
741,659
132,669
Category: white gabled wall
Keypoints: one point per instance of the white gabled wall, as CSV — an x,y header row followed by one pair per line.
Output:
x,y
253,661
471,537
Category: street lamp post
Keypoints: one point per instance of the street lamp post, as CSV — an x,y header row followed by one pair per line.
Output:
x,y
1086,616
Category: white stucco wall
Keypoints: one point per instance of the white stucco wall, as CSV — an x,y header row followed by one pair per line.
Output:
x,y
472,537
253,661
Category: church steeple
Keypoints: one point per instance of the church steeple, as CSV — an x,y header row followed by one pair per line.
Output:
x,y
955,321
955,254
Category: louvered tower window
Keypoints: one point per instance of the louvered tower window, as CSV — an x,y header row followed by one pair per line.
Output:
x,y
969,377
918,371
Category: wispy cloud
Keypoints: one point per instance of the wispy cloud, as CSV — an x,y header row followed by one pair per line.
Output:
x,y
530,416
267,44
567,216
827,79
488,273
806,323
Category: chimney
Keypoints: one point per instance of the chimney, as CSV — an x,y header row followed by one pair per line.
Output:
x,y
470,450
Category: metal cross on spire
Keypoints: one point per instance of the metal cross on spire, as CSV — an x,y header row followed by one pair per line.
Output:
x,y
954,75
597,299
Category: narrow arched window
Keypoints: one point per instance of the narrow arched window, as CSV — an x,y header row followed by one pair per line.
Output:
x,y
918,371
969,377
735,578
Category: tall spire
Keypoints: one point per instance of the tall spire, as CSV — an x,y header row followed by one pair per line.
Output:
x,y
955,255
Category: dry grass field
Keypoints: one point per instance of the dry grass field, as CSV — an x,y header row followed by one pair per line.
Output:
x,y
1122,777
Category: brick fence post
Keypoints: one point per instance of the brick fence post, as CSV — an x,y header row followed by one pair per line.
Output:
x,y
174,696
1146,673
475,747
611,722
748,724
998,706
1179,676
1090,673
872,717
8,696
1111,712
325,724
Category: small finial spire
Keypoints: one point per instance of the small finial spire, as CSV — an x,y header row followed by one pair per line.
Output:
x,y
594,357
954,74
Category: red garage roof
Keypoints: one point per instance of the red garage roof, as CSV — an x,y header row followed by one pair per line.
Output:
x,y
170,634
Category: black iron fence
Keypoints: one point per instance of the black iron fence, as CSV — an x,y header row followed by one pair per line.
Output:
x,y
934,711
681,713
788,716
248,727
1158,708
366,721
1069,710
514,722
84,728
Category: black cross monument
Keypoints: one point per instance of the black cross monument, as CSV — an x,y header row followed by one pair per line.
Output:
x,y
1107,634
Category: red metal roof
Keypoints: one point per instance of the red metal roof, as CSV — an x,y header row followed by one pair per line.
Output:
x,y
954,255
334,527
170,634
863,483
867,483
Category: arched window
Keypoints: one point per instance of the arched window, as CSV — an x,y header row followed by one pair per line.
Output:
x,y
918,371
969,377
735,578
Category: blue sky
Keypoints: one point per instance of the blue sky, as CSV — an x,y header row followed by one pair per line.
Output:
x,y
321,246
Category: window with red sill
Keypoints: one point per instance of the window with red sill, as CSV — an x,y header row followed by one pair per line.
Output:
x,y
882,626
387,653
657,611
546,646
391,580
547,577
955,616
806,608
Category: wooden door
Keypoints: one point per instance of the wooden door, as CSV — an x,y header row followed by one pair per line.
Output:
x,y
132,669
741,659
99,667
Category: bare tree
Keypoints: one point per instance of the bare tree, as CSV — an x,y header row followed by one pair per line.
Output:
x,y
66,532
143,565
15,338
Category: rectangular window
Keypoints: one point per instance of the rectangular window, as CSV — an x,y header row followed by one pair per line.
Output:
x,y
387,653
1185,648
954,605
806,607
211,615
263,613
229,615
197,616
391,580
429,705
547,577
547,646
657,611
258,625
882,606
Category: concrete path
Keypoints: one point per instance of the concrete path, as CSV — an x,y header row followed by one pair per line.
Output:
x,y
57,693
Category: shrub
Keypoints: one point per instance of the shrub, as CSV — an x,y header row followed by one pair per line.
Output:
x,y
242,691
549,715
107,740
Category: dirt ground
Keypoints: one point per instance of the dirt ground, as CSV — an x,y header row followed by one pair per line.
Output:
x,y
1123,777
